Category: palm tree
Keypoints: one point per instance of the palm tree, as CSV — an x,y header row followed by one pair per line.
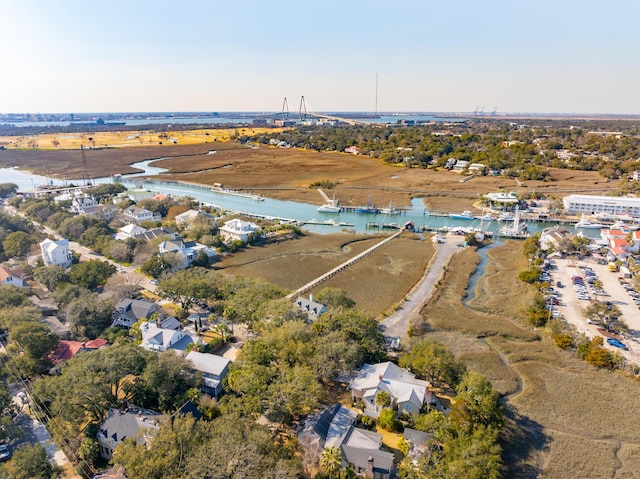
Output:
x,y
331,460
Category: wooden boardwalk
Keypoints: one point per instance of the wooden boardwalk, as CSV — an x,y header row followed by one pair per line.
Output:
x,y
342,266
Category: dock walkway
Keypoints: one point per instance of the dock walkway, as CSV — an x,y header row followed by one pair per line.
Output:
x,y
342,266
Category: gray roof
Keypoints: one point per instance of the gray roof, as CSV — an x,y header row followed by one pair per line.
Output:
x,y
122,424
136,309
382,460
208,363
415,437
321,427
156,233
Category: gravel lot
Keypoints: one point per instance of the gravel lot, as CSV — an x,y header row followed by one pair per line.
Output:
x,y
573,308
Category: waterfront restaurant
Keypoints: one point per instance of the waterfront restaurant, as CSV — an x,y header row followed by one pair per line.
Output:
x,y
589,205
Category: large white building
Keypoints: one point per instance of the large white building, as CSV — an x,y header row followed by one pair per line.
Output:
x,y
238,230
588,205
56,252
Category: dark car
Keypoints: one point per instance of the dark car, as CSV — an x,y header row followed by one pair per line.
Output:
x,y
5,452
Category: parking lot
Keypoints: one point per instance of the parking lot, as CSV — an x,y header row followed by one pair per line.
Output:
x,y
572,307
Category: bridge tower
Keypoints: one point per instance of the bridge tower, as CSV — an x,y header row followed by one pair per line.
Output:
x,y
285,109
302,111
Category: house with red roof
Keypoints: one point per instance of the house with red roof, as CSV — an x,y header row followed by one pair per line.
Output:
x,y
621,242
69,349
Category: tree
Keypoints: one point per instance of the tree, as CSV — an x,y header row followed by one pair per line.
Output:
x,y
433,361
88,316
50,276
602,313
383,399
335,297
29,462
91,274
331,460
387,419
8,189
17,244
188,286
155,266
33,338
476,404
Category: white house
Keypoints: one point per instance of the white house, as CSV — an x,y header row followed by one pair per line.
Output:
x,y
129,231
56,252
81,202
214,369
155,338
238,230
190,215
551,237
311,308
8,276
138,215
188,251
407,393
121,424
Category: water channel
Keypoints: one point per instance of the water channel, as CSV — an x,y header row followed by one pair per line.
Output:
x,y
277,209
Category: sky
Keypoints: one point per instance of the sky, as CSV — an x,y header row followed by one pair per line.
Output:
x,y
543,56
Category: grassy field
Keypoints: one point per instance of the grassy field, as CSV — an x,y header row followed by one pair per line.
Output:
x,y
566,419
283,173
375,283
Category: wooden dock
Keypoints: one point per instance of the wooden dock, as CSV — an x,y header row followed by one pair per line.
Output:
x,y
337,269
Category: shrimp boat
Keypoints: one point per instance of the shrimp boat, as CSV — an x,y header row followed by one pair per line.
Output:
x,y
330,205
516,230
391,210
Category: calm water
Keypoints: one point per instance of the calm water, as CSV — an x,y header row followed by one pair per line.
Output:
x,y
276,208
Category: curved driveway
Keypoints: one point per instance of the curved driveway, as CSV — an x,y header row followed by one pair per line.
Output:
x,y
398,323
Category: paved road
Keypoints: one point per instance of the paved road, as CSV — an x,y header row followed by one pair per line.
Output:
x,y
398,323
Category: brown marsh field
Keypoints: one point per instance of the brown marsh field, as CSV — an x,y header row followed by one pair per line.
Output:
x,y
566,418
375,283
288,173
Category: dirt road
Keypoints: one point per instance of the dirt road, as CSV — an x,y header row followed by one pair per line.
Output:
x,y
398,323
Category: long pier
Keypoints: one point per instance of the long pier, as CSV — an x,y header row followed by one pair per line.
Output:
x,y
342,266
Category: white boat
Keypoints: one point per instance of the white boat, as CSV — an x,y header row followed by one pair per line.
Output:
x,y
506,217
516,230
330,205
465,215
329,208
485,217
391,210
583,223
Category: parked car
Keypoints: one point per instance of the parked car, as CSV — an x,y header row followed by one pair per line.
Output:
x,y
5,452
22,396
616,343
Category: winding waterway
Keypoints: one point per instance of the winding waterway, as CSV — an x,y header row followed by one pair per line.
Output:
x,y
277,209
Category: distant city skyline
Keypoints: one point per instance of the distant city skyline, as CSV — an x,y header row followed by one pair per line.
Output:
x,y
531,57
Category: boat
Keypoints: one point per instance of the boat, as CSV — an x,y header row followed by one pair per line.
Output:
x,y
506,217
516,230
329,208
391,210
485,217
465,215
330,205
368,209
585,223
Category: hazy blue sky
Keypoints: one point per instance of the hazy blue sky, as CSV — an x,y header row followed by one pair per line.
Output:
x,y
139,55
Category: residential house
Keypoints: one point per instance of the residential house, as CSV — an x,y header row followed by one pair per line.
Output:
x,y
618,242
135,214
12,276
354,150
214,369
83,204
155,338
56,252
550,238
134,422
407,393
311,308
636,175
238,230
128,311
130,230
69,349
158,233
460,166
360,448
188,251
477,168
190,215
